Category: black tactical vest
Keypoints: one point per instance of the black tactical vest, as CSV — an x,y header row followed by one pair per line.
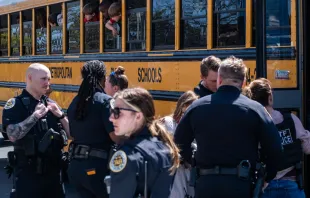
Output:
x,y
292,146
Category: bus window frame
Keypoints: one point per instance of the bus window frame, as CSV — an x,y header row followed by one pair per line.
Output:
x,y
132,11
215,24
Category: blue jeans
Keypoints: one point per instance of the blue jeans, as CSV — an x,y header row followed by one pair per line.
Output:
x,y
283,189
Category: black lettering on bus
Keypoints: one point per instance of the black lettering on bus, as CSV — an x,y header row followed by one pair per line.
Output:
x,y
159,75
61,72
139,75
150,75
249,77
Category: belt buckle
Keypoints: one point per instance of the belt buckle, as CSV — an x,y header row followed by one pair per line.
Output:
x,y
83,147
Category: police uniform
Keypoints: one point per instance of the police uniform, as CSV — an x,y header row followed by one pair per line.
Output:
x,y
128,172
201,90
228,128
91,146
35,174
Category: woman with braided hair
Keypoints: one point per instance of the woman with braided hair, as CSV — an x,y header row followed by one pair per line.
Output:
x,y
92,132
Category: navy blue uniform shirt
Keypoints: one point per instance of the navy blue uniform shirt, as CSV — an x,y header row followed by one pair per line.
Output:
x,y
202,91
15,111
228,128
94,129
127,167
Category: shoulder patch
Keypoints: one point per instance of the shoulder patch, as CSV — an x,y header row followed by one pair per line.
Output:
x,y
118,161
10,103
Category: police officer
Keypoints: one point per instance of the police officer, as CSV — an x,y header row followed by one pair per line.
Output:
x,y
208,73
92,132
295,140
228,128
36,171
144,164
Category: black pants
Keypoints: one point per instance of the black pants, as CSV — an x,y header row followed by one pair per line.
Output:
x,y
87,175
27,183
224,186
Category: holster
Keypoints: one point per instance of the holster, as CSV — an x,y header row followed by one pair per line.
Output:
x,y
260,179
47,139
194,171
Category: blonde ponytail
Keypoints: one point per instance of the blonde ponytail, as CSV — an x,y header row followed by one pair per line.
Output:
x,y
158,130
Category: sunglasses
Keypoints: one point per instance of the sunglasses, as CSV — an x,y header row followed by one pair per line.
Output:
x,y
116,111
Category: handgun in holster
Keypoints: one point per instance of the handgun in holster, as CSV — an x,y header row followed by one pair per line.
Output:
x,y
260,174
194,171
299,179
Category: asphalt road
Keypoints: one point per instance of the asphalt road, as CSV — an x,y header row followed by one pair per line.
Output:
x,y
6,184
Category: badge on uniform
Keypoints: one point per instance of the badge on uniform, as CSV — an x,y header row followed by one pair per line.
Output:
x,y
118,161
10,103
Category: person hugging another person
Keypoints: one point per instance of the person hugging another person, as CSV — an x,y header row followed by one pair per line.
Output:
x,y
295,141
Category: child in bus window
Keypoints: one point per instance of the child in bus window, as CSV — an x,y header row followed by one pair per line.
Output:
x,y
40,18
115,13
59,19
104,7
53,19
90,12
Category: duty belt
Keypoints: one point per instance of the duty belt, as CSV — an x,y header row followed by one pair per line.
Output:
x,y
218,171
243,170
84,151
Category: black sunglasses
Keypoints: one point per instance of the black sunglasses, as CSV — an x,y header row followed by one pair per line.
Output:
x,y
116,111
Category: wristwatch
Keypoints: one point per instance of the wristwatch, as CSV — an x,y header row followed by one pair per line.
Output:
x,y
62,116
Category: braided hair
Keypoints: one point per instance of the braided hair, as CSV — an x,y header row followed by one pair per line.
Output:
x,y
93,73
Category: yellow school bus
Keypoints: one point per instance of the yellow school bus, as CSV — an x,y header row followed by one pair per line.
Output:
x,y
160,44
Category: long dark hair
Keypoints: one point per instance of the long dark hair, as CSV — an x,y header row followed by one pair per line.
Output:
x,y
93,73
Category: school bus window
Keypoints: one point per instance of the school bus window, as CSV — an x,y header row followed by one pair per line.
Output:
x,y
15,34
40,26
3,35
113,30
278,22
27,32
163,24
55,21
194,23
92,26
73,26
229,23
136,23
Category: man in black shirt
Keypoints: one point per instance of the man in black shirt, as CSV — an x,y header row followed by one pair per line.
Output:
x,y
28,120
208,71
228,127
